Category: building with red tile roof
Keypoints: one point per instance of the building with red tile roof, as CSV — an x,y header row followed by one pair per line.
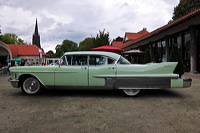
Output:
x,y
10,51
170,26
24,50
184,32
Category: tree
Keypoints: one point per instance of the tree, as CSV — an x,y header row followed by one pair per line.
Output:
x,y
87,44
66,46
11,38
0,33
20,41
175,56
50,53
120,39
102,39
184,7
59,51
155,57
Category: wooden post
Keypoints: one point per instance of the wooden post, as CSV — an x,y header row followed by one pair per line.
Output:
x,y
167,48
193,50
183,44
150,49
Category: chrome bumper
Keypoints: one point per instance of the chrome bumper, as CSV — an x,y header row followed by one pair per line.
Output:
x,y
187,82
14,82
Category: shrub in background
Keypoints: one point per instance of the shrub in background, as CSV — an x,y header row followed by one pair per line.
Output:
x,y
147,57
175,56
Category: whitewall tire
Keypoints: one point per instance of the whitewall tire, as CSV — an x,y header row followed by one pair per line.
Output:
x,y
131,92
30,86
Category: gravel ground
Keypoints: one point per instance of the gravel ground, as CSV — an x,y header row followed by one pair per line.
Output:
x,y
106,111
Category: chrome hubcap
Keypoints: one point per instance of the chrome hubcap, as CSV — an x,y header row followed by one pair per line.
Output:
x,y
31,85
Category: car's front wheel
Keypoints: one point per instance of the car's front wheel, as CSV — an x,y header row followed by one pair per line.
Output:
x,y
131,92
30,86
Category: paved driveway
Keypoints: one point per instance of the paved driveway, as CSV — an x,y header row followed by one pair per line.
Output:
x,y
87,111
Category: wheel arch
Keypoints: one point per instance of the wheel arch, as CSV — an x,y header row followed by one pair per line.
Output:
x,y
24,76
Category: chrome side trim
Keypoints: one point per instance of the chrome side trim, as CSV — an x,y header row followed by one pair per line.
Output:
x,y
43,72
136,76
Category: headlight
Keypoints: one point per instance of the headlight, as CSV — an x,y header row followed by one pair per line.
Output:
x,y
13,76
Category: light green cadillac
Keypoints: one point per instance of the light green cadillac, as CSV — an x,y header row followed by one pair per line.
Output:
x,y
97,70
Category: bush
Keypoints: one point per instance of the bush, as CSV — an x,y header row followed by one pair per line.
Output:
x,y
175,56
147,57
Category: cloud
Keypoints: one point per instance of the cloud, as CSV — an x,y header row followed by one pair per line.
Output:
x,y
64,19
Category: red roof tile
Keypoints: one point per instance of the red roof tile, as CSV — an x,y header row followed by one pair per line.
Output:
x,y
130,36
117,44
23,50
136,35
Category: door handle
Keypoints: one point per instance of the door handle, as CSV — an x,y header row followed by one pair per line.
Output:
x,y
83,67
111,68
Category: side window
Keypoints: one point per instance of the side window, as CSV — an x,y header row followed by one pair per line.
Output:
x,y
79,60
110,61
69,60
97,60
123,61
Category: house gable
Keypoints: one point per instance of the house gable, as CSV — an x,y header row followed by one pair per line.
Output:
x,y
132,36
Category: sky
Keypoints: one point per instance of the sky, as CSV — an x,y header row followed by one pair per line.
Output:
x,y
76,20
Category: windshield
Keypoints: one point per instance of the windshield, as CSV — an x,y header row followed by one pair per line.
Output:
x,y
122,60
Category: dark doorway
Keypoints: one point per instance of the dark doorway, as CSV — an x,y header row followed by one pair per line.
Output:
x,y
198,60
3,60
198,49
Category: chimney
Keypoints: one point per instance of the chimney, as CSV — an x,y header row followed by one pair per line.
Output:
x,y
144,28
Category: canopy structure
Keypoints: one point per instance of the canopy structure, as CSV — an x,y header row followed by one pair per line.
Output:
x,y
15,59
108,48
133,51
134,56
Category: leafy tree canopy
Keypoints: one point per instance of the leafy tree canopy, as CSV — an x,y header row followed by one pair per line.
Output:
x,y
0,31
102,39
184,7
87,44
118,39
50,53
175,56
11,38
66,46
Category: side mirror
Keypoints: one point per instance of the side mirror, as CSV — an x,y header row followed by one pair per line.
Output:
x,y
60,62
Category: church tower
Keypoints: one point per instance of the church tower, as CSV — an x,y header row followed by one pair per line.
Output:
x,y
36,36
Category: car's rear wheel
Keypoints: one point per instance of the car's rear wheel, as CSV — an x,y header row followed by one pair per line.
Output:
x,y
131,92
30,86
